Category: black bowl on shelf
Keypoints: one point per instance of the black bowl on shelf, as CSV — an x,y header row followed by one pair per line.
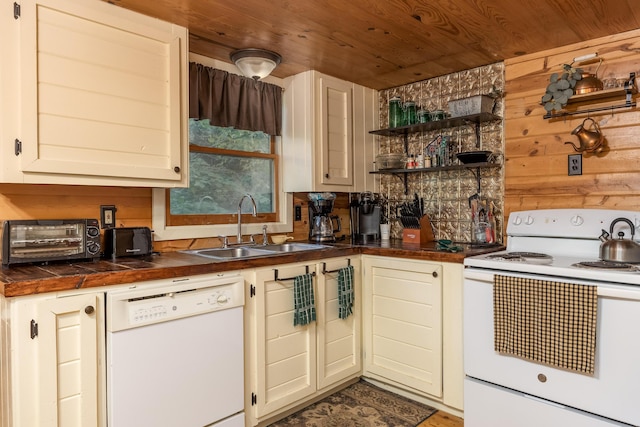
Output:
x,y
474,157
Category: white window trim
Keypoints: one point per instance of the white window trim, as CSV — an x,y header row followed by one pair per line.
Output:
x,y
162,232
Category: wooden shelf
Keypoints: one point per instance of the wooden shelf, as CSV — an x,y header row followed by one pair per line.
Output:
x,y
617,93
600,96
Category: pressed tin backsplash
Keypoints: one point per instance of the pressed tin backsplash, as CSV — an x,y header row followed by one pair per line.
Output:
x,y
446,193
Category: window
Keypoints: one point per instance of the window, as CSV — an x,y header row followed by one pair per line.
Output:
x,y
225,164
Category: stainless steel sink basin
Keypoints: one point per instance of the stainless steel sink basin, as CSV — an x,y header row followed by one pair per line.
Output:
x,y
241,252
231,253
294,247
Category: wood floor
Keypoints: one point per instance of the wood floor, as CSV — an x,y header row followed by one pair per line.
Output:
x,y
442,419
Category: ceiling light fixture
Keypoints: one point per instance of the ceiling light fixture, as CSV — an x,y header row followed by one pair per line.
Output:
x,y
255,63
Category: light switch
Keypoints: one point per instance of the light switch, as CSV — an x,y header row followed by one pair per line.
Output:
x,y
108,216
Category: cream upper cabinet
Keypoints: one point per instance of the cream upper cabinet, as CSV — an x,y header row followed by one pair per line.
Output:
x,y
57,373
287,364
326,140
93,94
402,323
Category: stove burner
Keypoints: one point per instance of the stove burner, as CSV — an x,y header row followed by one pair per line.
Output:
x,y
606,265
528,257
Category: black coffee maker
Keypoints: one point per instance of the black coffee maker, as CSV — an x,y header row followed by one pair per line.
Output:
x,y
322,225
365,218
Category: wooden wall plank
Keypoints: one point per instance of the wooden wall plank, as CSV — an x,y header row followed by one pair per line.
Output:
x,y
536,158
25,201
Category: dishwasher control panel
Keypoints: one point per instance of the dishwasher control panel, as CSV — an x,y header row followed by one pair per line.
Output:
x,y
160,301
176,305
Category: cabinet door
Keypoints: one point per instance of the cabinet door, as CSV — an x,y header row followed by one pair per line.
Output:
x,y
335,127
285,358
339,354
402,322
103,93
57,382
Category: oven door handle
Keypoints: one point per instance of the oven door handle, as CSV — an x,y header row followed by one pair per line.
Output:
x,y
479,275
619,293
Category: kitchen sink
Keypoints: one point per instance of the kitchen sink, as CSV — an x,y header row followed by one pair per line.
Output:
x,y
230,253
253,251
294,247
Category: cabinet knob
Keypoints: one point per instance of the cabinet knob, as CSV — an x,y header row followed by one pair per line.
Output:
x,y
176,169
435,274
326,175
89,309
542,378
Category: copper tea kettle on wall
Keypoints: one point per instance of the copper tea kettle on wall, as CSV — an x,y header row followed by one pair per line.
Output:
x,y
591,141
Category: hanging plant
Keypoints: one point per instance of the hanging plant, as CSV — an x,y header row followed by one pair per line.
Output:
x,y
561,88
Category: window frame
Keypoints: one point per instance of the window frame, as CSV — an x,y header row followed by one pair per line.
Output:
x,y
180,220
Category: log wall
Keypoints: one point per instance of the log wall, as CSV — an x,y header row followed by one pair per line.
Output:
x,y
536,158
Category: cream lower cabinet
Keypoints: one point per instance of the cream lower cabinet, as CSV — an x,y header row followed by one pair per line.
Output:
x,y
92,94
412,326
287,365
402,326
55,363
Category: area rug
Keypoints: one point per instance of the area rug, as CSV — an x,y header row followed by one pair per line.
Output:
x,y
360,405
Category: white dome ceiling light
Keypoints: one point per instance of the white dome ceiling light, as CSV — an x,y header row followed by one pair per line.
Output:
x,y
255,63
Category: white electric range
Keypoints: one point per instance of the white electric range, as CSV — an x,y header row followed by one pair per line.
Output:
x,y
557,245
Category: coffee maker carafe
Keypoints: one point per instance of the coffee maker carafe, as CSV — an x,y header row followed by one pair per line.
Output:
x,y
365,218
321,222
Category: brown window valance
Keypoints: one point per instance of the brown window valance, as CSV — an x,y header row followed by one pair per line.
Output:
x,y
230,100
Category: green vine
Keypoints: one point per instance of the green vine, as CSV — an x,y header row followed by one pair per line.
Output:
x,y
561,88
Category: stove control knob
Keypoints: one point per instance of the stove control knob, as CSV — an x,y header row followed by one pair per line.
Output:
x,y
577,220
529,220
517,220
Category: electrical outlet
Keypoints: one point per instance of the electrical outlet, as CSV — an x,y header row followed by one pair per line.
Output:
x,y
108,216
298,213
575,164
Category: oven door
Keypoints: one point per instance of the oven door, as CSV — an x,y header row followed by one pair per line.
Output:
x,y
611,392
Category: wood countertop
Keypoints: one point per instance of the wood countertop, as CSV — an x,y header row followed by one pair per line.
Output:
x,y
21,280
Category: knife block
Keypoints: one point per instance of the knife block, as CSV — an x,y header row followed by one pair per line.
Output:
x,y
424,234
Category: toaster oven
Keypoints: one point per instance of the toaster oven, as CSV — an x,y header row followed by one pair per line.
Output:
x,y
37,241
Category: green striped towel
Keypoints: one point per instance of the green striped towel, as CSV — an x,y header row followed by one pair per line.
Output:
x,y
304,306
345,292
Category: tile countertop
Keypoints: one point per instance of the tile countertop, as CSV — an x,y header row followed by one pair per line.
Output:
x,y
21,280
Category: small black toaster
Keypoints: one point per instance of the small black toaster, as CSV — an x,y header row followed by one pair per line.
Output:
x,y
127,241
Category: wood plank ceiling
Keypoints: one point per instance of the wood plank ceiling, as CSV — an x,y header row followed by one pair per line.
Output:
x,y
387,43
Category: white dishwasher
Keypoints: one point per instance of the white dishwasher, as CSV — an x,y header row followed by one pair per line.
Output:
x,y
175,354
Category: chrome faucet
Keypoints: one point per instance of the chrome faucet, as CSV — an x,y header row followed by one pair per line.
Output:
x,y
255,213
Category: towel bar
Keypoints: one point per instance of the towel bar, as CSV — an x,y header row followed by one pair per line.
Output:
x,y
281,279
325,271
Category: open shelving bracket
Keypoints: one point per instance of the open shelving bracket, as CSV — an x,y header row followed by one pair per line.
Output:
x,y
476,173
403,177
